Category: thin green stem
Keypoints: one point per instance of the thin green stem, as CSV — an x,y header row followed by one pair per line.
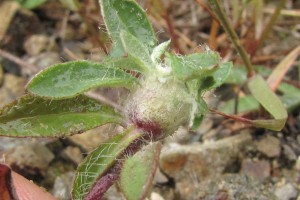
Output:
x,y
272,21
219,11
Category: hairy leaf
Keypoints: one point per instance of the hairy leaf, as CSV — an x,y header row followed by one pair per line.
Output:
x,y
136,49
220,75
127,15
37,117
194,66
128,63
98,162
138,172
73,78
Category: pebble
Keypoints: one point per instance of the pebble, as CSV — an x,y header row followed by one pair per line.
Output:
x,y
270,146
28,156
92,138
13,87
156,196
260,170
159,177
62,187
8,143
73,154
298,163
42,61
289,153
35,44
286,192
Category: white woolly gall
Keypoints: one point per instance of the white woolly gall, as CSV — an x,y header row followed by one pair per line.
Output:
x,y
158,107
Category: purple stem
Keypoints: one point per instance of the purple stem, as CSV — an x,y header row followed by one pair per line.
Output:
x,y
106,181
101,186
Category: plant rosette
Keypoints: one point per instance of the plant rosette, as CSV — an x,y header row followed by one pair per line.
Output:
x,y
159,107
166,94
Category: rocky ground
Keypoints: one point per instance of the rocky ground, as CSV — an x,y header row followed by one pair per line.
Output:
x,y
222,160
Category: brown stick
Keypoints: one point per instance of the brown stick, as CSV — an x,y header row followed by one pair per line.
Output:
x,y
18,61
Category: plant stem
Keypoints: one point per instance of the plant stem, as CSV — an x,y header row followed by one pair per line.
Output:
x,y
219,11
272,21
234,117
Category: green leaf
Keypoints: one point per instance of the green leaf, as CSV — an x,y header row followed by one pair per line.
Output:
x,y
73,78
37,117
194,66
127,15
98,162
138,172
237,75
136,49
128,63
290,97
266,97
197,122
217,78
202,109
31,4
245,104
205,67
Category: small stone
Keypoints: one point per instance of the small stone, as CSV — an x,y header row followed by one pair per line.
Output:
x,y
298,163
286,192
156,196
92,138
289,153
13,87
33,157
73,153
63,186
270,146
8,143
14,84
259,170
35,44
160,178
42,61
